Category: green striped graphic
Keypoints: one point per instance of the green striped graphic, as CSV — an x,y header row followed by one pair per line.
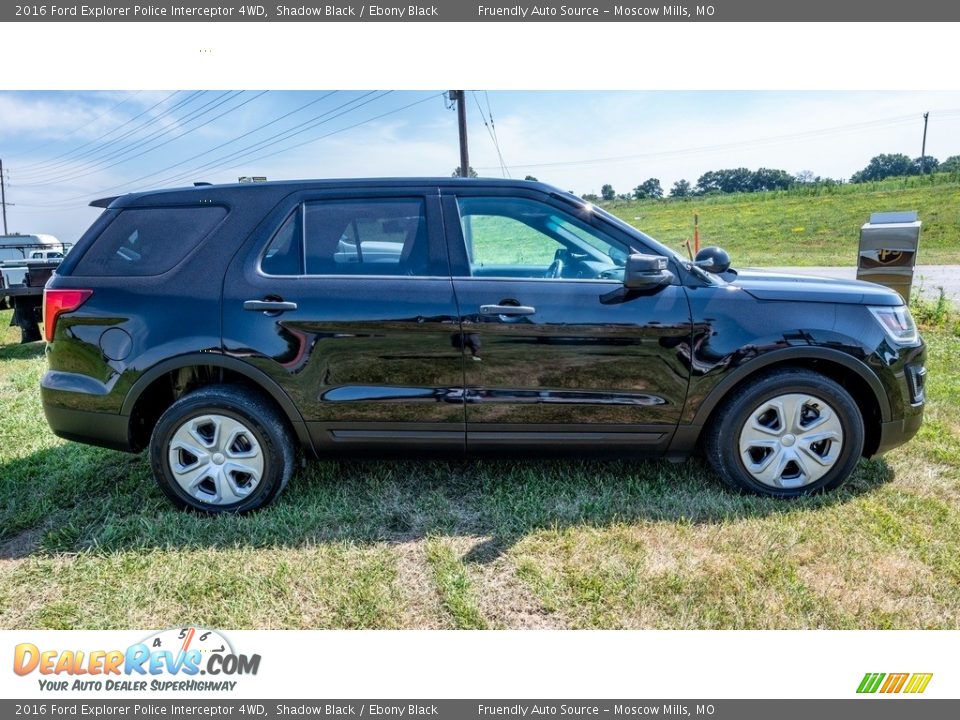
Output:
x,y
871,682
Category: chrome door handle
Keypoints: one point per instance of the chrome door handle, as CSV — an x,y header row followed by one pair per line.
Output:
x,y
275,306
507,310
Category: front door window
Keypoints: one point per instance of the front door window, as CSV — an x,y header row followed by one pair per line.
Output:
x,y
520,238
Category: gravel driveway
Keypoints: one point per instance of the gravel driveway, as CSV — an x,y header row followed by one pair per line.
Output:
x,y
929,278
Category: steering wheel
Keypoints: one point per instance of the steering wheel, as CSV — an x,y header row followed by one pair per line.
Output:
x,y
555,270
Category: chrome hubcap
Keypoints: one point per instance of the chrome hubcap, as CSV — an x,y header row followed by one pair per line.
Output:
x,y
791,441
216,459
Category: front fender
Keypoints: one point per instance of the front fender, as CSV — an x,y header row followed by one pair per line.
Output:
x,y
701,412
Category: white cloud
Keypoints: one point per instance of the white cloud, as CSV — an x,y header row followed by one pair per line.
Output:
x,y
532,128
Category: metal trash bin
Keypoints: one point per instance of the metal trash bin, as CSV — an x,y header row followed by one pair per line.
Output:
x,y
888,250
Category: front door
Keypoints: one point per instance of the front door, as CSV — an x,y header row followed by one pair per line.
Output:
x,y
346,301
557,354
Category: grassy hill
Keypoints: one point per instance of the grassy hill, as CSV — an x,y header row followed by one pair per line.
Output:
x,y
806,226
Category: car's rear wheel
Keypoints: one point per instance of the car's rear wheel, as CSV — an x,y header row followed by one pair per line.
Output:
x,y
222,449
790,432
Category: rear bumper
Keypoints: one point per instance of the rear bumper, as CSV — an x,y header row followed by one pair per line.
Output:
x,y
24,291
897,432
94,428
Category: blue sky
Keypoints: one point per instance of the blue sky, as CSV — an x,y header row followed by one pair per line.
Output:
x,y
62,149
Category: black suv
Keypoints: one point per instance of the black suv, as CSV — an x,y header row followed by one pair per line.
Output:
x,y
223,326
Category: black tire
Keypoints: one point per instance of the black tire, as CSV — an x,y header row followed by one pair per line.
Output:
x,y
722,439
29,332
269,437
25,316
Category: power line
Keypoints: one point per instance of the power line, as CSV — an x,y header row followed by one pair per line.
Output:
x,y
289,133
310,124
350,127
93,154
493,137
228,142
48,165
77,129
842,129
297,145
124,152
493,126
155,136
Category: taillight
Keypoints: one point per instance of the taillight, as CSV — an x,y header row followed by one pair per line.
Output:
x,y
56,302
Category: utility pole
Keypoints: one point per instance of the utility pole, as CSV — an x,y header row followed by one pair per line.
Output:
x,y
460,97
3,197
923,151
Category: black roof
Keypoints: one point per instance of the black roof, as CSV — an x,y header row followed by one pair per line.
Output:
x,y
284,187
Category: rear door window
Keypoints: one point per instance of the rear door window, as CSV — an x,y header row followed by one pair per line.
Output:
x,y
148,241
372,236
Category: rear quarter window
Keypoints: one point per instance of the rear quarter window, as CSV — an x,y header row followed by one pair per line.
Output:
x,y
148,241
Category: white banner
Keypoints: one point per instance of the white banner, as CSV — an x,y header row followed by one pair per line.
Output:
x,y
451,664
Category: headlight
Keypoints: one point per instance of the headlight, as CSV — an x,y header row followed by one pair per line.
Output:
x,y
897,323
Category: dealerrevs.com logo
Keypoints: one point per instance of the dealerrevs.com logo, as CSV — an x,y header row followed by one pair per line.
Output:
x,y
180,659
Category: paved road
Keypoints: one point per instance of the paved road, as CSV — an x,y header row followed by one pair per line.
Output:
x,y
929,278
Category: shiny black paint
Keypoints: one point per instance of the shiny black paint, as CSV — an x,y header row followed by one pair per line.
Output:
x,y
379,352
733,330
786,287
167,316
577,360
388,363
591,358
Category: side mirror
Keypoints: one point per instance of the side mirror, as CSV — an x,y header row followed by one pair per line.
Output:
x,y
646,272
713,259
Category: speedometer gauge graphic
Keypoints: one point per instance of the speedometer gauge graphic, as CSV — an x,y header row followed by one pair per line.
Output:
x,y
177,640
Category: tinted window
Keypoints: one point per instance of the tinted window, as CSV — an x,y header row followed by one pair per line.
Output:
x,y
516,237
284,254
148,241
366,237
351,237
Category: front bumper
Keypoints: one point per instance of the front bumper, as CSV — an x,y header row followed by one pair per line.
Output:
x,y
897,432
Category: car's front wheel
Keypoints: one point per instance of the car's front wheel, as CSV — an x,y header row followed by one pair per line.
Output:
x,y
790,432
221,449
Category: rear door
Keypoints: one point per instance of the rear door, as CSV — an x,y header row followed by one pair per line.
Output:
x,y
558,356
345,299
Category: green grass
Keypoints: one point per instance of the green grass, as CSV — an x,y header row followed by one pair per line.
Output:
x,y
88,541
804,226
449,575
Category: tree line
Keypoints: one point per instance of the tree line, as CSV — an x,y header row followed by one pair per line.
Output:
x,y
744,180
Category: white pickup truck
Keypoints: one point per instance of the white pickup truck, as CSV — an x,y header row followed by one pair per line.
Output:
x,y
26,262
